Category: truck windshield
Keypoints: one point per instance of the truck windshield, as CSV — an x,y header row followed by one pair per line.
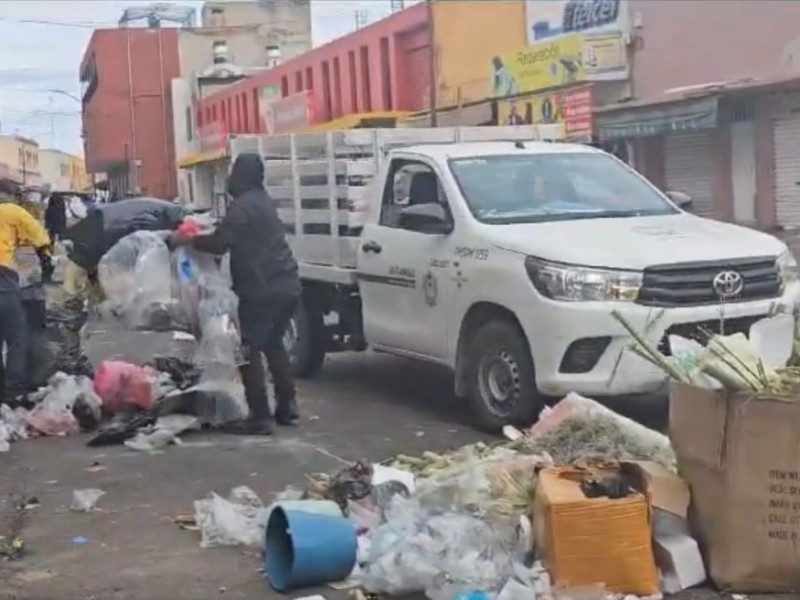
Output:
x,y
534,188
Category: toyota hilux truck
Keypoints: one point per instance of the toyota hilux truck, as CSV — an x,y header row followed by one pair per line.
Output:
x,y
502,256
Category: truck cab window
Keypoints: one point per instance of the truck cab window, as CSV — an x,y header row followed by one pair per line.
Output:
x,y
409,183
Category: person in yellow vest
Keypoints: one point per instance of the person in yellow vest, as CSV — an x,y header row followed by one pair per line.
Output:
x,y
18,228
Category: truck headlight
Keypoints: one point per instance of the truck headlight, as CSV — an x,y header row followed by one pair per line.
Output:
x,y
787,268
572,283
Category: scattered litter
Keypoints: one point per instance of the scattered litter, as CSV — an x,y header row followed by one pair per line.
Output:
x,y
12,549
238,520
79,540
58,404
164,432
85,500
123,386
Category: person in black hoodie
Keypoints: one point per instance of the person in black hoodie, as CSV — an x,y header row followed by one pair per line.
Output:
x,y
267,283
55,217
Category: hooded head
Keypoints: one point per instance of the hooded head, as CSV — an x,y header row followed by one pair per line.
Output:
x,y
247,174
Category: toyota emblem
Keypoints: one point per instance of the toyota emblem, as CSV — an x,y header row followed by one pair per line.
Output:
x,y
728,284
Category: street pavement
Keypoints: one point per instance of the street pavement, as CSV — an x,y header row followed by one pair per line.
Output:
x,y
366,406
361,406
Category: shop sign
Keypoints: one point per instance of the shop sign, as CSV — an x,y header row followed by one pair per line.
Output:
x,y
570,108
285,115
564,61
552,19
213,137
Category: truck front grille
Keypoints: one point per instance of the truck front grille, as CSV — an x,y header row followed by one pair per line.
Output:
x,y
700,331
692,284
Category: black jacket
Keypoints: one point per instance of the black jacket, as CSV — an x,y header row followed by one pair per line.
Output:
x,y
55,215
94,235
262,264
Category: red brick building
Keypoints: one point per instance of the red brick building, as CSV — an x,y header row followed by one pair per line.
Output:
x,y
384,67
127,113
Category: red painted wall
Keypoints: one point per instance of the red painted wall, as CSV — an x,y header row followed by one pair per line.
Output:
x,y
129,115
694,43
398,29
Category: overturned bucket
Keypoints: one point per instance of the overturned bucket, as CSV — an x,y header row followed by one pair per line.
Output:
x,y
305,549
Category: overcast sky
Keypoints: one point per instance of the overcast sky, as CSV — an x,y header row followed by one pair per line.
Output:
x,y
42,43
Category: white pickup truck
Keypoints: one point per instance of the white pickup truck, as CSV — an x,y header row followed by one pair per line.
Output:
x,y
503,258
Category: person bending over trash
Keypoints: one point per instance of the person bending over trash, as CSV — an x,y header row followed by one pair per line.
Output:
x,y
18,228
266,281
93,236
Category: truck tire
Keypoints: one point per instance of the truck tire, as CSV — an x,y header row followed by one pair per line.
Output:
x,y
305,341
501,384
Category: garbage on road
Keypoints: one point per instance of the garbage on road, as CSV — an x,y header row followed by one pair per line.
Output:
x,y
585,503
122,402
734,417
85,500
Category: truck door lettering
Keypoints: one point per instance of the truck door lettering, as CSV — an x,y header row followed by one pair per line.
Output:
x,y
472,253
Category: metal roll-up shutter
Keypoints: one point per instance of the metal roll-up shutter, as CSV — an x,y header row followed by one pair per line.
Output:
x,y
688,169
787,170
419,67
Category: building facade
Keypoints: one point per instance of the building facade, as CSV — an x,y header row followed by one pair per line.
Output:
x,y
721,128
127,113
21,156
284,25
372,75
381,68
56,169
78,177
668,86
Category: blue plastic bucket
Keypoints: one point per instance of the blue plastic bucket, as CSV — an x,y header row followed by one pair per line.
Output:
x,y
305,549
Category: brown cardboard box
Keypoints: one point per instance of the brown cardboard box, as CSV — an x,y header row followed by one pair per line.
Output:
x,y
740,455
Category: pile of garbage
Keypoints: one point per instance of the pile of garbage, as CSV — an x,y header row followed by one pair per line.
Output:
x,y
584,504
480,519
184,296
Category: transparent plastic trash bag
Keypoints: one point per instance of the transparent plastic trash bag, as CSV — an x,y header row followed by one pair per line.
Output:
x,y
417,550
136,277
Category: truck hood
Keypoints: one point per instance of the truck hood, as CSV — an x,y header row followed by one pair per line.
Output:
x,y
634,242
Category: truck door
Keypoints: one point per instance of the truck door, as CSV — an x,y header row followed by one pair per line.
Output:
x,y
404,266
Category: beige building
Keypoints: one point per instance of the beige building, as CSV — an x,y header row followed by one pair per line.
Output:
x,y
78,177
284,25
56,169
21,155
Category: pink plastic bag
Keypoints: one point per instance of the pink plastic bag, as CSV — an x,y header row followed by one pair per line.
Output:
x,y
123,386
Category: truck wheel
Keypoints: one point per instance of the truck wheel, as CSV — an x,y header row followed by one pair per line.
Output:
x,y
501,385
305,341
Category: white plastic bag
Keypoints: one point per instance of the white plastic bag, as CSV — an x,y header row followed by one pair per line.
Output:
x,y
85,500
239,520
53,415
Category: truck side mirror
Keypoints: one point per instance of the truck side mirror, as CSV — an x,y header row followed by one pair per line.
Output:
x,y
430,217
681,200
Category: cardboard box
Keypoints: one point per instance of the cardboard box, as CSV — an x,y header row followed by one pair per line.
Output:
x,y
588,541
740,455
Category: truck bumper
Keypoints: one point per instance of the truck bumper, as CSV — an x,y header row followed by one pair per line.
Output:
x,y
559,328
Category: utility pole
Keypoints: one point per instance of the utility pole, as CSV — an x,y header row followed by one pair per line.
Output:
x,y
52,121
432,51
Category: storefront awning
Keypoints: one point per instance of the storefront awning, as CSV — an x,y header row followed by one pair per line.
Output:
x,y
203,157
353,121
633,123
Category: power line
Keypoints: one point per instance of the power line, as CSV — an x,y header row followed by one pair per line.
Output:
x,y
76,24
